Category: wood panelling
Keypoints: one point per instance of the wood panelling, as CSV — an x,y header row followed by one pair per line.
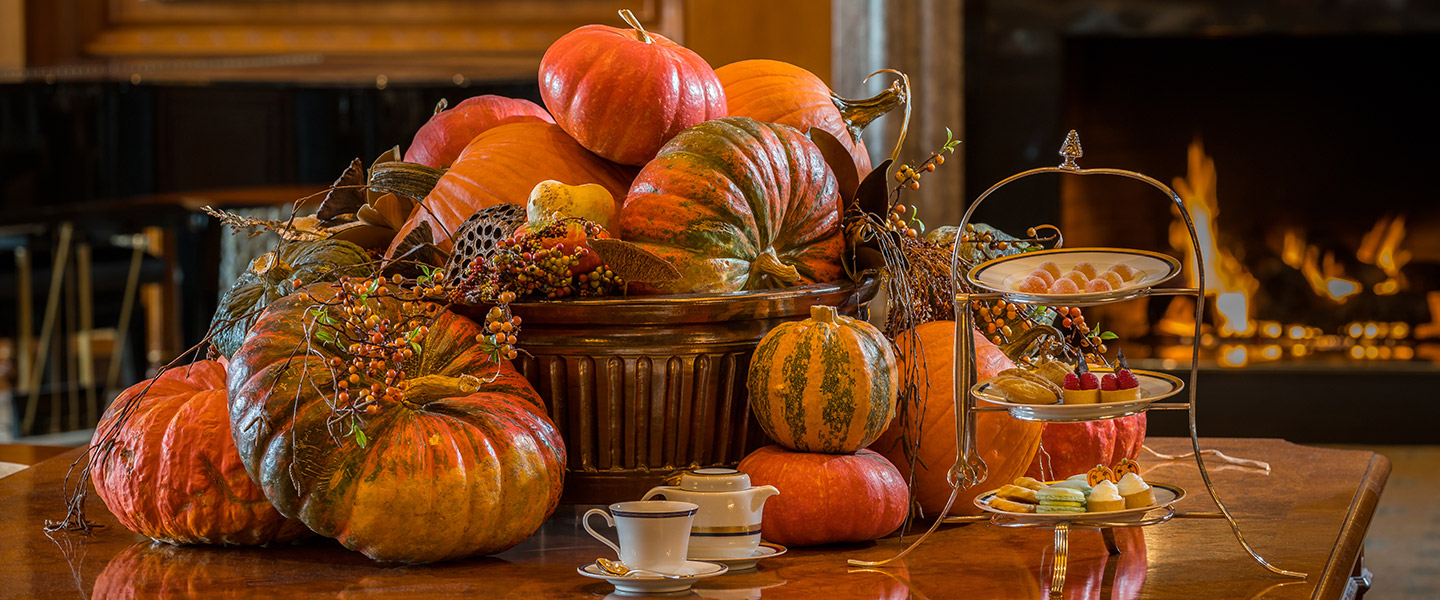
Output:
x,y
795,31
12,34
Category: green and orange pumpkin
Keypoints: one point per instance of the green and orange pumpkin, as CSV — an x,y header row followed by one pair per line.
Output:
x,y
824,384
827,498
272,276
166,467
466,463
1005,443
736,204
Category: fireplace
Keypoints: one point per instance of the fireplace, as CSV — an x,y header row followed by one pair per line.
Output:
x,y
1303,155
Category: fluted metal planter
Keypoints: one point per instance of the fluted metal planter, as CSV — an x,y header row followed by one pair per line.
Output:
x,y
644,386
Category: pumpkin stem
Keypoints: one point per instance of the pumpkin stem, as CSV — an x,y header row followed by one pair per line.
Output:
x,y
440,106
823,314
640,33
768,263
428,388
858,114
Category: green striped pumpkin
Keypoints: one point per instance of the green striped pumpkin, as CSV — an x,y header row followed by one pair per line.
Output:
x,y
825,384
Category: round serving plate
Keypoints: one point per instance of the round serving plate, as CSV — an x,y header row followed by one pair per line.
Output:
x,y
1165,495
1003,274
1154,387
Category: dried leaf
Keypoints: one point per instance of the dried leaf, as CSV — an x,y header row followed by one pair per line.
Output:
x,y
873,194
847,179
391,155
632,262
343,200
364,235
394,210
415,253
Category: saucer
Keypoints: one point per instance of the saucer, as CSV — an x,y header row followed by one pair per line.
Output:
x,y
649,584
746,563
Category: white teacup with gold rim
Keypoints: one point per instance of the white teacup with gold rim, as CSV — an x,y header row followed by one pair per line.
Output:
x,y
728,524
654,534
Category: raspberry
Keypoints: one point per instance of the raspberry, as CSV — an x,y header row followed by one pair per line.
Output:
x,y
1108,383
1126,379
1072,382
1089,381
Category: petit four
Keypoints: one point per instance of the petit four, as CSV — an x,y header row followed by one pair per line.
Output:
x,y
1081,387
1104,497
1055,499
1135,491
1121,385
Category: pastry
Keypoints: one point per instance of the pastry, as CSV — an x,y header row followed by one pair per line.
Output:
x,y
1055,499
1023,391
1099,473
1030,482
999,503
1134,490
1104,498
1121,385
1076,482
1017,494
1032,377
1053,371
1080,387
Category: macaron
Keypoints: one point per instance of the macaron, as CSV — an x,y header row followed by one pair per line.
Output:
x,y
1057,494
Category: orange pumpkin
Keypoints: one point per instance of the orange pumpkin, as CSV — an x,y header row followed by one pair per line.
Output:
x,y
1007,444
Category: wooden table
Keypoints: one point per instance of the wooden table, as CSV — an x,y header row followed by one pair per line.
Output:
x,y
1308,514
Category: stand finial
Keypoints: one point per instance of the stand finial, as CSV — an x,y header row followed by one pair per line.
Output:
x,y
1070,150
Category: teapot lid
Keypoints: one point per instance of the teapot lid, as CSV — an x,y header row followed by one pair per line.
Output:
x,y
714,479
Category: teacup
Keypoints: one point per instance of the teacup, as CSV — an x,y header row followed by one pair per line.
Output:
x,y
654,534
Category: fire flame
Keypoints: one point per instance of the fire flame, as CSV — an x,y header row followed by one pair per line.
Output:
x,y
1325,276
1230,284
1381,247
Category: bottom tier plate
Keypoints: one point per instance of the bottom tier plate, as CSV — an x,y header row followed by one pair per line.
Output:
x,y
1165,495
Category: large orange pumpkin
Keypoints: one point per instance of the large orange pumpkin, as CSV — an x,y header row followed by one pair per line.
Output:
x,y
173,474
439,141
1007,444
502,165
465,463
1071,448
827,498
779,92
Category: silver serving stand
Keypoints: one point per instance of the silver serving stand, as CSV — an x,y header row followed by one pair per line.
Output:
x,y
970,470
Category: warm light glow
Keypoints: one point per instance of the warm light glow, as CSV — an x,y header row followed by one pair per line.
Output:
x,y
1356,330
1270,329
1297,332
1372,352
1404,352
1357,352
1270,352
1233,355
1228,280
1399,330
1372,330
1340,289
1381,247
1326,277
1384,353
1298,350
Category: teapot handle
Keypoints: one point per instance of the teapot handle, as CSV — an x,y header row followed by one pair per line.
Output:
x,y
656,491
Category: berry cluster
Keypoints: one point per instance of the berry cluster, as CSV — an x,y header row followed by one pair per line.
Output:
x,y
502,330
1091,343
549,261
1000,319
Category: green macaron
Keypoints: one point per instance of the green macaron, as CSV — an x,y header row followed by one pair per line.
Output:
x,y
1053,494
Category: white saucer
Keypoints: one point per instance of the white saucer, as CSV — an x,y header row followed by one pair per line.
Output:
x,y
694,570
745,563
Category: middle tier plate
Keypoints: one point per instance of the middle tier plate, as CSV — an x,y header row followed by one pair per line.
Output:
x,y
1006,275
1154,387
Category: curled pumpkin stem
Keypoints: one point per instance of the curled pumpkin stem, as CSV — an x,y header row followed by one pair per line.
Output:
x,y
422,390
859,114
901,89
768,263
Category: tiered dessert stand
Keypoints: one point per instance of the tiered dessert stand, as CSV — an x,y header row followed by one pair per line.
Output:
x,y
970,470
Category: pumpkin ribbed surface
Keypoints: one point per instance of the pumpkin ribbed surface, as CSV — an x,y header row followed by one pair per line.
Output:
x,y
779,92
824,384
503,165
446,474
173,474
441,139
272,276
1005,443
736,204
827,498
1071,448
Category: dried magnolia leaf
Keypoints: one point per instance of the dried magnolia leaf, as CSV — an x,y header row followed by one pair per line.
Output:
x,y
873,195
364,235
632,262
847,179
345,196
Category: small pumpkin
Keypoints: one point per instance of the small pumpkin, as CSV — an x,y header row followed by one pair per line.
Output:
x,y
780,92
439,141
623,93
824,384
464,463
827,498
736,204
503,165
590,201
1071,448
1006,444
172,472
272,276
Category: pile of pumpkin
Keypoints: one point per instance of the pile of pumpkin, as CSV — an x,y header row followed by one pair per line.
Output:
x,y
711,170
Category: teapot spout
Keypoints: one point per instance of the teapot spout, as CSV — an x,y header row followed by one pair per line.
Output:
x,y
758,495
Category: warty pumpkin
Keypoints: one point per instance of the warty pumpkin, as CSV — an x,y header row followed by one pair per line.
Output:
x,y
827,498
736,204
824,384
503,165
780,92
272,276
1006,444
439,141
170,470
466,463
623,93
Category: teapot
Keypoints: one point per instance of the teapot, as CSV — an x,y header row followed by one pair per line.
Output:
x,y
728,522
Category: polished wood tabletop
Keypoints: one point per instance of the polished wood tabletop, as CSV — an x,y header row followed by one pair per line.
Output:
x,y
1309,514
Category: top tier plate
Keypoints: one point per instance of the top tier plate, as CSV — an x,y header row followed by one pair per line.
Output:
x,y
1004,274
